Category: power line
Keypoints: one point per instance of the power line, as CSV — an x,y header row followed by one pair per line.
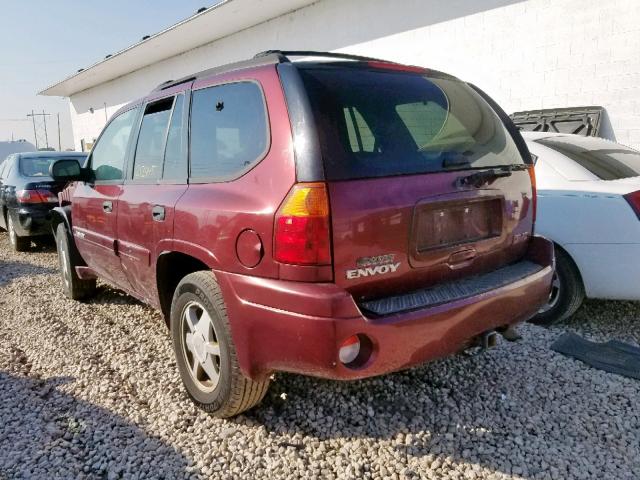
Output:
x,y
41,126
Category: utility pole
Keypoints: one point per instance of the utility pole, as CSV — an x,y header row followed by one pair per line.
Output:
x,y
44,120
40,125
35,135
59,140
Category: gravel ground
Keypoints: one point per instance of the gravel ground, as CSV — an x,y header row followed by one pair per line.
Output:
x,y
92,391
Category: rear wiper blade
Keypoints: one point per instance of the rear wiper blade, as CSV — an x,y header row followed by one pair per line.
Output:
x,y
481,178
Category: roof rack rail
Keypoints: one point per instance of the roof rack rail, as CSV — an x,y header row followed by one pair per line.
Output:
x,y
312,53
265,59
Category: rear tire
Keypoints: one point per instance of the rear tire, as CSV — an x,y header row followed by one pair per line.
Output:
x,y
205,352
567,293
18,243
73,286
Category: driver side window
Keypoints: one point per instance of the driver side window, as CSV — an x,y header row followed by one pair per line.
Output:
x,y
108,156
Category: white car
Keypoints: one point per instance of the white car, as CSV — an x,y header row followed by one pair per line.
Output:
x,y
589,205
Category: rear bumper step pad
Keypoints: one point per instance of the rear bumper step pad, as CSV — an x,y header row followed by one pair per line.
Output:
x,y
451,291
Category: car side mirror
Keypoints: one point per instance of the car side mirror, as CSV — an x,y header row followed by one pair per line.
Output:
x,y
66,170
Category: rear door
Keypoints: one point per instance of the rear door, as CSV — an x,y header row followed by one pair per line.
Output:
x,y
157,179
95,203
425,183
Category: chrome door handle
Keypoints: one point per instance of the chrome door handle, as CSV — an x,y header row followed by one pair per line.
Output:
x,y
107,206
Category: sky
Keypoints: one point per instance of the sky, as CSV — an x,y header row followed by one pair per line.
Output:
x,y
44,41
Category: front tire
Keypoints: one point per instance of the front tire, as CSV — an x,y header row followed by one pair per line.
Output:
x,y
205,352
18,243
567,293
73,286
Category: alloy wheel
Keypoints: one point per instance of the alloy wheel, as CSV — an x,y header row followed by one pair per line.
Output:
x,y
200,346
65,267
13,237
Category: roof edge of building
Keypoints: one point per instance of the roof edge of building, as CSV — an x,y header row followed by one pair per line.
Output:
x,y
161,46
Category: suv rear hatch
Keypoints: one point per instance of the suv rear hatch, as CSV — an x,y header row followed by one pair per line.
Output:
x,y
425,183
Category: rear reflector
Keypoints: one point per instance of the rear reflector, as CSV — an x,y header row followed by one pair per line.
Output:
x,y
36,196
634,200
302,234
349,350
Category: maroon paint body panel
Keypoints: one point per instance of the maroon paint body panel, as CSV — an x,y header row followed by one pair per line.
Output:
x,y
94,211
298,327
141,238
427,228
382,216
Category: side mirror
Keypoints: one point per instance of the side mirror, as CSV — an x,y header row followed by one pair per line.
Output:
x,y
66,170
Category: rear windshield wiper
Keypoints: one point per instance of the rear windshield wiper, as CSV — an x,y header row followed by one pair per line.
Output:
x,y
479,179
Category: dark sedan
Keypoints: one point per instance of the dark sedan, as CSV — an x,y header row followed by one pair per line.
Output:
x,y
27,195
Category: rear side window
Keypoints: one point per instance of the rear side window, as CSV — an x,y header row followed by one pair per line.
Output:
x,y
606,160
151,141
229,132
107,158
374,123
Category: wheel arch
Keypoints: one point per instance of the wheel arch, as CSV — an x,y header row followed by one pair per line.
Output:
x,y
574,264
171,267
61,215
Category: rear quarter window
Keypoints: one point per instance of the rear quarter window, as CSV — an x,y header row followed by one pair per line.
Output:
x,y
229,131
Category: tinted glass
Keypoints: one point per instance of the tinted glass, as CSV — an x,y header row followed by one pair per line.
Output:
x,y
175,167
228,130
374,123
606,160
39,166
107,159
151,141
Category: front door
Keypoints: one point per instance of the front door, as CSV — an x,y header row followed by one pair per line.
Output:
x,y
156,179
95,203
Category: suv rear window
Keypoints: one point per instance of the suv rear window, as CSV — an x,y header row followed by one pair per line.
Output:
x,y
375,123
606,160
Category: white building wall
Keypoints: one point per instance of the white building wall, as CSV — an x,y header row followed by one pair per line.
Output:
x,y
527,54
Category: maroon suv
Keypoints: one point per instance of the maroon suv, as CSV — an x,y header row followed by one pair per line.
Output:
x,y
337,216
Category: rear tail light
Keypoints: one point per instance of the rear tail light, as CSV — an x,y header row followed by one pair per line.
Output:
x,y
302,233
534,192
36,196
634,200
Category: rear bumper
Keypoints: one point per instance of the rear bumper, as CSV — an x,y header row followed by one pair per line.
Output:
x,y
298,327
31,222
